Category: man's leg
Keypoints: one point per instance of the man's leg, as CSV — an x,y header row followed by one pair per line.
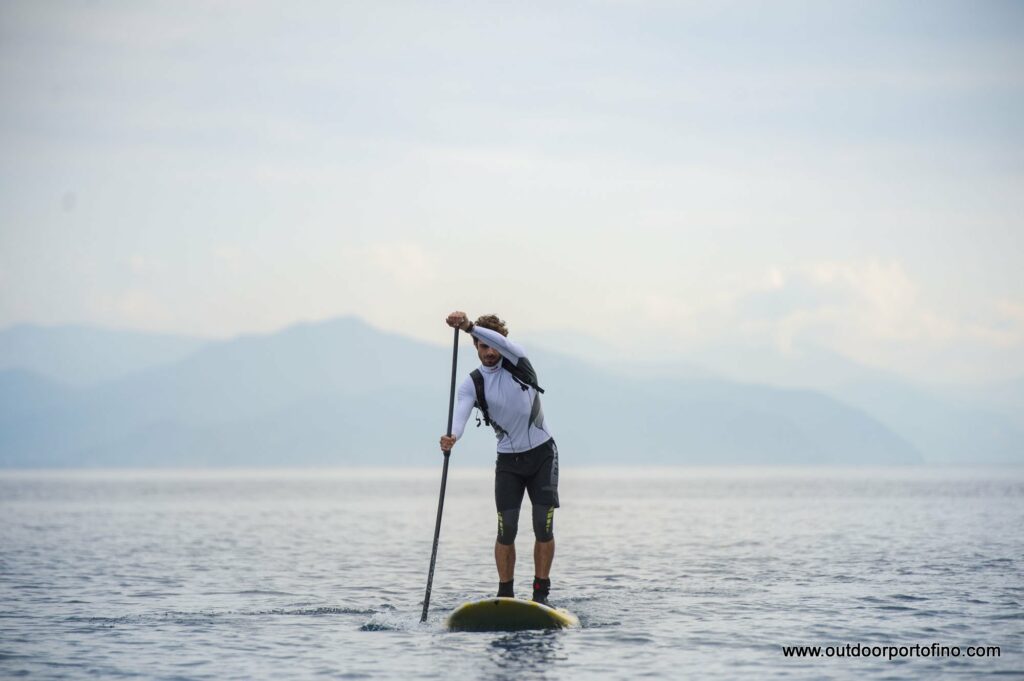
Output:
x,y
543,554
543,551
543,490
508,496
505,551
505,559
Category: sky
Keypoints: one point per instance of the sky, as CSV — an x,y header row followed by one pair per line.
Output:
x,y
660,178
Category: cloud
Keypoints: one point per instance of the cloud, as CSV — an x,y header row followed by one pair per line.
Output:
x,y
401,262
665,174
142,265
860,308
231,258
875,300
135,308
872,302
871,311
1007,327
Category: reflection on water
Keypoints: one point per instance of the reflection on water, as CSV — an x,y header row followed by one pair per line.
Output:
x,y
519,652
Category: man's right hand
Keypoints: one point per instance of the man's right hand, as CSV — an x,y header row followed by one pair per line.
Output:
x,y
458,320
447,442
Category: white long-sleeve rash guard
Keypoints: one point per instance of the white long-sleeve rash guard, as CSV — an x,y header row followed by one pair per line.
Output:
x,y
507,403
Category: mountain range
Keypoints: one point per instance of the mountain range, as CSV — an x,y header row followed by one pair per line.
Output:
x,y
341,392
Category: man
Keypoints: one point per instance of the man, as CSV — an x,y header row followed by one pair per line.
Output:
x,y
527,455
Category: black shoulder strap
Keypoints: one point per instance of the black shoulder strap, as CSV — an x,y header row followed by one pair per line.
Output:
x,y
481,403
523,373
481,400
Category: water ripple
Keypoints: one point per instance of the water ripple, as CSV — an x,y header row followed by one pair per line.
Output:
x,y
687,573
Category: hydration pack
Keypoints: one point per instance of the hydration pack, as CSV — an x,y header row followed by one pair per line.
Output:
x,y
523,374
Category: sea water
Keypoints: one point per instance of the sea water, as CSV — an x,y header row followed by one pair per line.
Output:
x,y
674,573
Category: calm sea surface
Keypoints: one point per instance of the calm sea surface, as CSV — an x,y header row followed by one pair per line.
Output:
x,y
674,573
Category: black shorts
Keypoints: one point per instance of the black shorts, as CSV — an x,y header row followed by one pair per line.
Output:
x,y
534,471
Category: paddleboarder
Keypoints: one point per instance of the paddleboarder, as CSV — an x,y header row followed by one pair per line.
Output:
x,y
505,390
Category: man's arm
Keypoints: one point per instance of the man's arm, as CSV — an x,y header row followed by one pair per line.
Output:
x,y
466,397
510,350
466,400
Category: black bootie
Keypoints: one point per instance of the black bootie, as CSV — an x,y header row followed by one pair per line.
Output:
x,y
505,589
541,589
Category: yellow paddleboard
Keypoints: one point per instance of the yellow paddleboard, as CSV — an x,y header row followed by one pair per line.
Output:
x,y
508,614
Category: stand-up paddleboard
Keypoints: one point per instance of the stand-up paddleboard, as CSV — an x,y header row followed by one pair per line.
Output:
x,y
508,614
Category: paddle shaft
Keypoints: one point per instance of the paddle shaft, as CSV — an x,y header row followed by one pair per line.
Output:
x,y
444,481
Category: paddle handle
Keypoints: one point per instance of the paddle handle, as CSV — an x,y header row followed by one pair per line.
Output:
x,y
444,481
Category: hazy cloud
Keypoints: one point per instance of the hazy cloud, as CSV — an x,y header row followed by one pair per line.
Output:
x,y
842,174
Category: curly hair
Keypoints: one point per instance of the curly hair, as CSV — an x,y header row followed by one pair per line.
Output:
x,y
492,322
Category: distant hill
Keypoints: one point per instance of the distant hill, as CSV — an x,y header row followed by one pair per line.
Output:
x,y
23,393
947,423
340,392
951,428
81,355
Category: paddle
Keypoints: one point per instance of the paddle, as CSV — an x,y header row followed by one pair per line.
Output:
x,y
444,480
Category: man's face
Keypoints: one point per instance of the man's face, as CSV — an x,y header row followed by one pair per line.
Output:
x,y
489,357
